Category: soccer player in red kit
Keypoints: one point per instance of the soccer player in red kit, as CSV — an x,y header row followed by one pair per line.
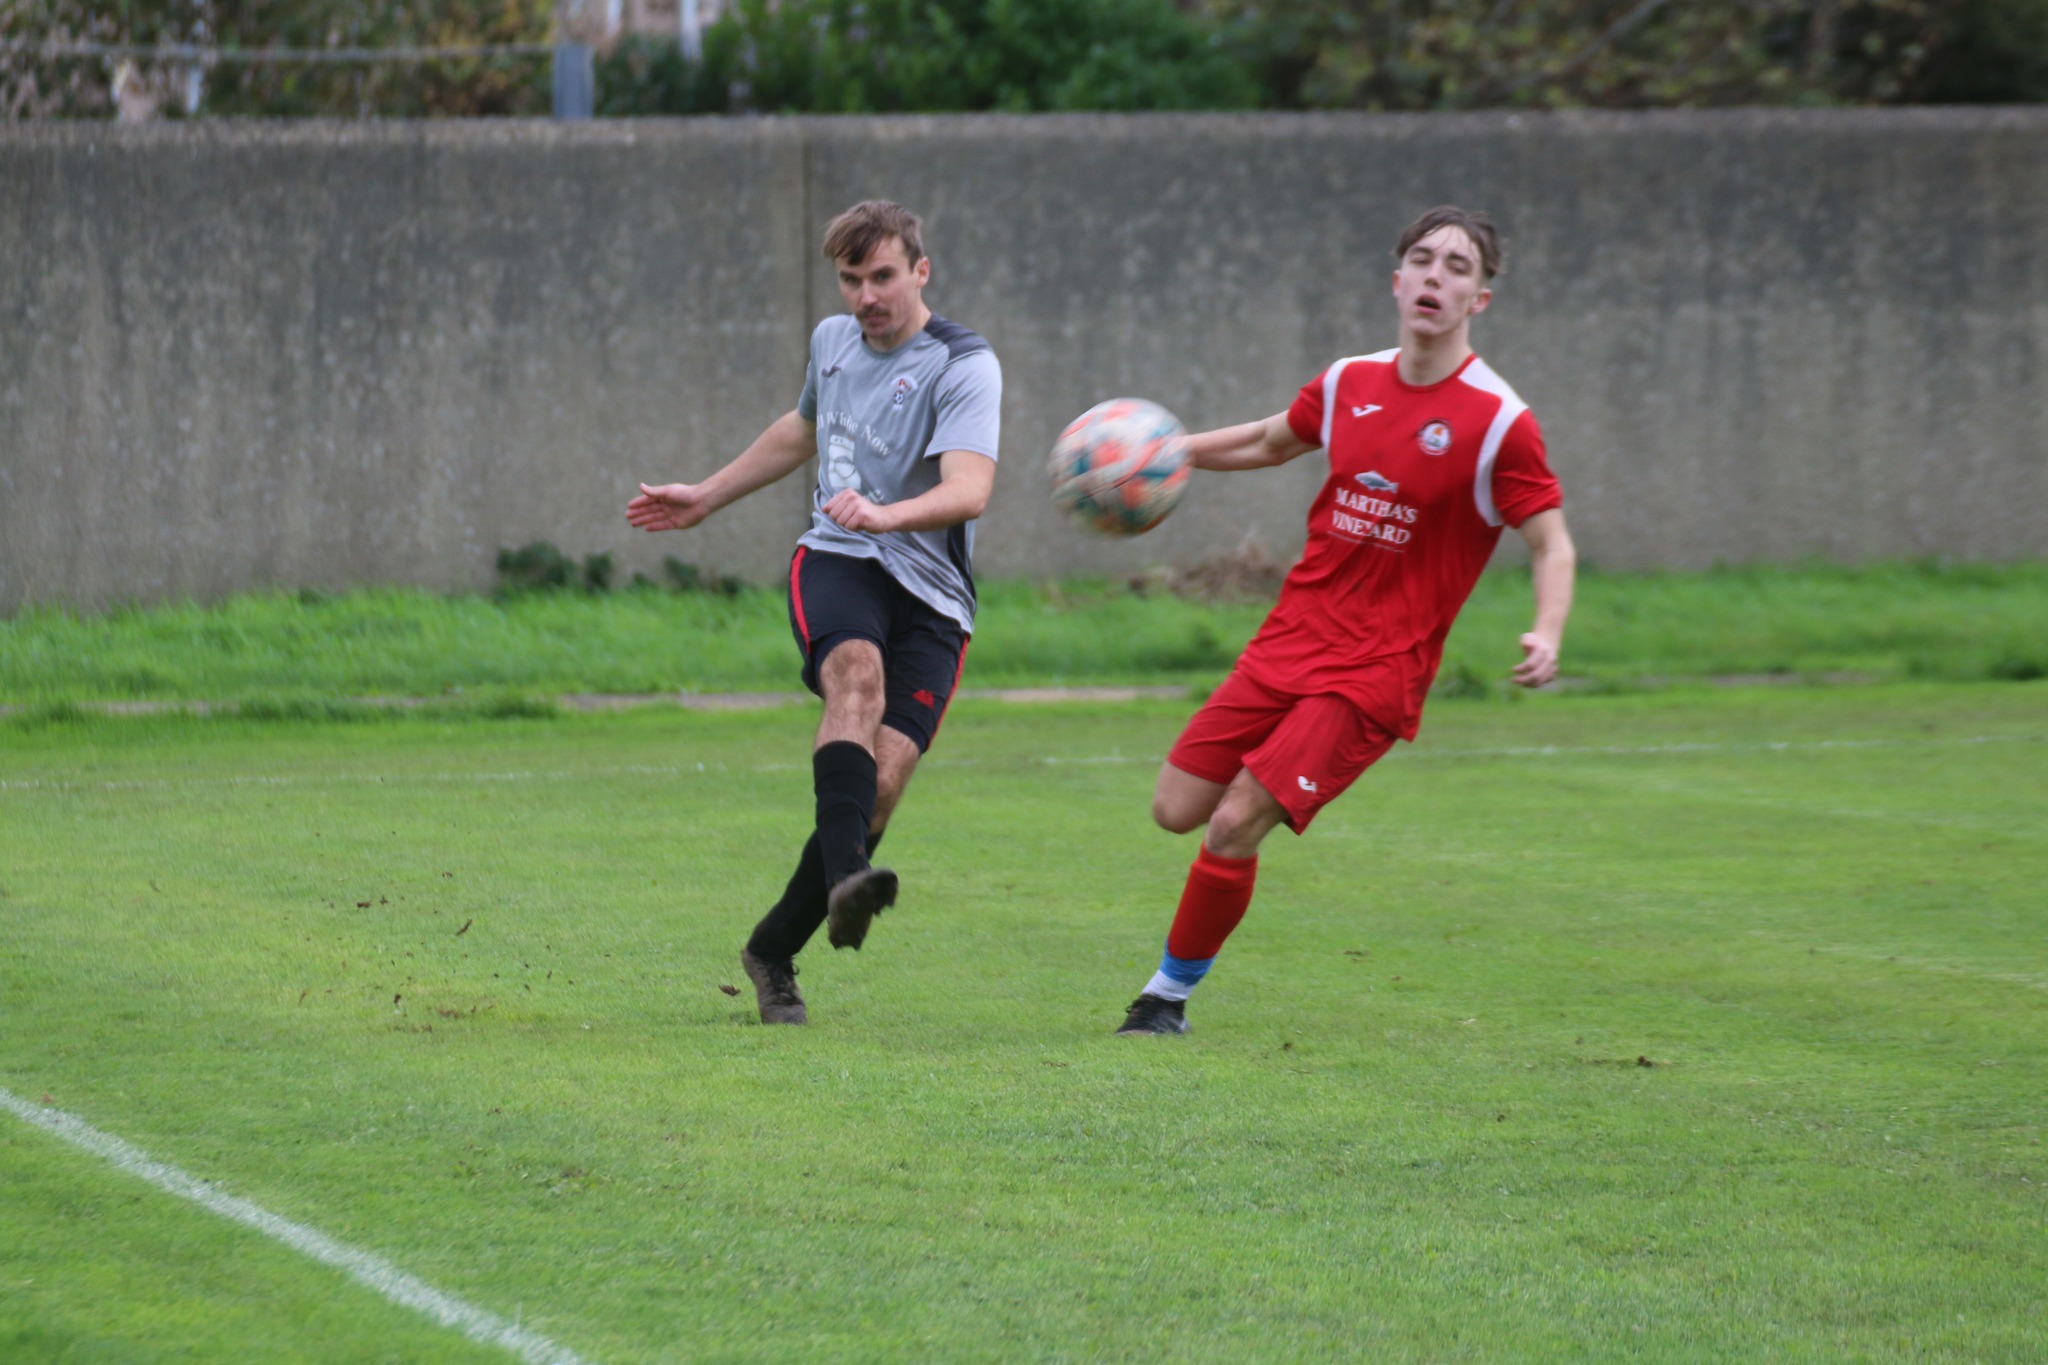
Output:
x,y
1431,453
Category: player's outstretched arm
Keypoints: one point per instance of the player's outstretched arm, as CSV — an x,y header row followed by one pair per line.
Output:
x,y
1253,445
1553,564
965,481
782,449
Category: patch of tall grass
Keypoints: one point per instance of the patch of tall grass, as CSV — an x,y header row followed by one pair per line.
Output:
x,y
1941,622
1898,620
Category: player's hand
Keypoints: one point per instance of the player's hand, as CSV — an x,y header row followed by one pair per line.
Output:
x,y
1539,661
668,507
856,513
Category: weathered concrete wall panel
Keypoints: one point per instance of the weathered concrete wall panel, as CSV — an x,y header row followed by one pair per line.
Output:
x,y
233,356
237,357
1753,336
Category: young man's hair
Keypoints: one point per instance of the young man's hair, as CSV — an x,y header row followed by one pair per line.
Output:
x,y
867,225
1477,226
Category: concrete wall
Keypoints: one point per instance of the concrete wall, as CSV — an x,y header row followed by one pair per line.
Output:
x,y
322,355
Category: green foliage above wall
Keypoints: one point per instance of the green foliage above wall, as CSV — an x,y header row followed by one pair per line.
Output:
x,y
901,56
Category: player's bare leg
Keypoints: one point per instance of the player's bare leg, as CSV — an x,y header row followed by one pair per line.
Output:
x,y
1182,802
1240,815
851,680
896,756
847,776
1243,818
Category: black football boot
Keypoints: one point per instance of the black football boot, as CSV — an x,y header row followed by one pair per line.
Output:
x,y
1150,1014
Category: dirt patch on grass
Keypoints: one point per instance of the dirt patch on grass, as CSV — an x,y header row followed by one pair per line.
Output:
x,y
1245,574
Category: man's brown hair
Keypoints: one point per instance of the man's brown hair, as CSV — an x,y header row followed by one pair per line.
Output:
x,y
1477,226
868,224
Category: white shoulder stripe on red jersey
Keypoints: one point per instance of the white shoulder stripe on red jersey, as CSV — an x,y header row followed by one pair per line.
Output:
x,y
1330,384
1480,376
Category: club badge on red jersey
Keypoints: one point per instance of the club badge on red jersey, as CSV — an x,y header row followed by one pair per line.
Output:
x,y
1434,438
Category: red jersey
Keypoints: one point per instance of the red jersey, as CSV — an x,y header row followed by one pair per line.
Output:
x,y
1421,481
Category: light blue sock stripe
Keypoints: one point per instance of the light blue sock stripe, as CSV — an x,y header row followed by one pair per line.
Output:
x,y
1183,970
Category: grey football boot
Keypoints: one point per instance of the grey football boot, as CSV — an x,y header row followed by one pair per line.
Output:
x,y
851,906
775,989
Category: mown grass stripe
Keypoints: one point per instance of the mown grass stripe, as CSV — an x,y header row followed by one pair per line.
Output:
x,y
1772,746
373,1272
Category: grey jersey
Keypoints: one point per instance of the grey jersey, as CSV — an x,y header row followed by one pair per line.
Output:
x,y
884,418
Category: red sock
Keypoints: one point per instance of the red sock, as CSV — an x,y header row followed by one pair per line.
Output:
x,y
1218,892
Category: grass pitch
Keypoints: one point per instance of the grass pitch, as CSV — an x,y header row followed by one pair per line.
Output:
x,y
1682,1026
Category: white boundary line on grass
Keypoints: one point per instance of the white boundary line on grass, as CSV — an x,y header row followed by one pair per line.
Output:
x,y
374,1272
1048,760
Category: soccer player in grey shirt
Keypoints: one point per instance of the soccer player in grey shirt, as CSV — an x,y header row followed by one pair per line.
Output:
x,y
902,407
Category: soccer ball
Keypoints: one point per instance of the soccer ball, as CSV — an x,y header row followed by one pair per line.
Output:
x,y
1121,466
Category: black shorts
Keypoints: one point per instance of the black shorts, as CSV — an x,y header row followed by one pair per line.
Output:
x,y
835,598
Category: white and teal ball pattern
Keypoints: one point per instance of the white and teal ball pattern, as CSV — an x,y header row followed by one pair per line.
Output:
x,y
1121,466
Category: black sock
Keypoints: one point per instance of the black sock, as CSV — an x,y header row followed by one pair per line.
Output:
x,y
785,929
843,774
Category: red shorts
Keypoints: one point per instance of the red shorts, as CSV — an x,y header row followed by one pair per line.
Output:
x,y
1303,750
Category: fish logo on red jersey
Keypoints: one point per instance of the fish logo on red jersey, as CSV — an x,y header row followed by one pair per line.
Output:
x,y
1434,438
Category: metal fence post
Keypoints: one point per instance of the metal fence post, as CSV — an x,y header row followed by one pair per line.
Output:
x,y
692,30
575,81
